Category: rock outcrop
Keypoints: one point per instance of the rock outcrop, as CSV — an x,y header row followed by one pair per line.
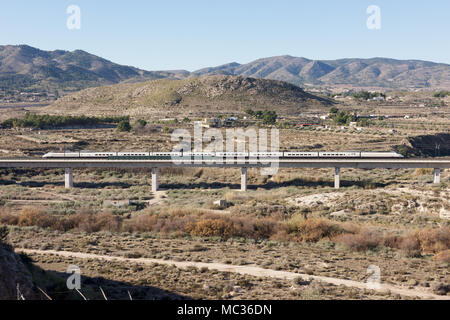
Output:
x,y
13,274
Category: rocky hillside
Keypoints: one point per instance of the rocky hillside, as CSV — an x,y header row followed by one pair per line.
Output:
x,y
28,69
427,145
12,273
375,72
24,69
208,94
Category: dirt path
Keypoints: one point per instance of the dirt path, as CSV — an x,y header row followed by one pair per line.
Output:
x,y
246,270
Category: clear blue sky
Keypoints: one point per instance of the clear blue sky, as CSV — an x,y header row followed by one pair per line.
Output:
x,y
182,34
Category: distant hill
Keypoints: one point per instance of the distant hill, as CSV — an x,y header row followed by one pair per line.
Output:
x,y
205,95
25,68
375,72
31,70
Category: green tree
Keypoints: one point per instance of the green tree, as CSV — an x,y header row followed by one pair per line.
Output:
x,y
364,122
269,117
258,114
334,110
344,117
441,94
141,123
250,112
123,126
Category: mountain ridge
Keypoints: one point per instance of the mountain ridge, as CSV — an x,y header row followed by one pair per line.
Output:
x,y
355,72
27,69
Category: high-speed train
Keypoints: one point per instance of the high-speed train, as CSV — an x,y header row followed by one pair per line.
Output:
x,y
215,155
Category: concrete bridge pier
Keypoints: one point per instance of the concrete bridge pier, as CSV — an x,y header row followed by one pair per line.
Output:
x,y
437,176
155,180
243,179
68,178
337,178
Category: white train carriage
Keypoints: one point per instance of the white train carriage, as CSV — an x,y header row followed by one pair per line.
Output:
x,y
164,154
266,154
300,154
198,154
173,154
231,155
131,154
380,154
227,155
345,154
79,154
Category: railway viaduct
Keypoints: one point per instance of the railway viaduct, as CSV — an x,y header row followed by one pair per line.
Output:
x,y
337,164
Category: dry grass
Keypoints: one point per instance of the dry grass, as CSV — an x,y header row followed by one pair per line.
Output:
x,y
423,172
366,240
179,222
31,216
443,256
313,229
434,240
260,196
211,228
83,221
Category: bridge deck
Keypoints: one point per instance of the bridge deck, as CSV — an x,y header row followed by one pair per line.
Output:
x,y
282,163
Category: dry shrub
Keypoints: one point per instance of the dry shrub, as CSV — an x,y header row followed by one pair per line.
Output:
x,y
434,240
183,211
312,230
349,227
423,171
159,223
89,222
175,225
255,228
411,246
426,240
66,223
392,241
141,223
8,218
31,216
281,236
211,228
264,228
366,240
106,221
443,256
